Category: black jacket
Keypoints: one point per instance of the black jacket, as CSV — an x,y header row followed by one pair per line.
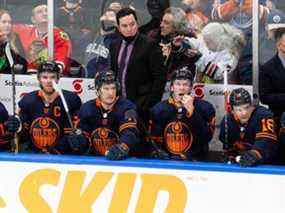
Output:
x,y
272,85
146,76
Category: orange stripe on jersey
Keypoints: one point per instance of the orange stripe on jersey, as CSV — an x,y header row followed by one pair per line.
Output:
x,y
2,131
127,125
266,135
158,139
67,130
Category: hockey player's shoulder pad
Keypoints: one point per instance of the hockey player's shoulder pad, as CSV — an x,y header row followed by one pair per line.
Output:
x,y
72,99
124,104
162,110
262,112
88,109
204,108
29,99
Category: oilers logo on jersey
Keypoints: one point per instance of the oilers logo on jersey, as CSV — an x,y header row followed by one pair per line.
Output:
x,y
102,139
44,132
178,137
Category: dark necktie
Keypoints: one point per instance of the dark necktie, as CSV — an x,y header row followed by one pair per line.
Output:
x,y
122,67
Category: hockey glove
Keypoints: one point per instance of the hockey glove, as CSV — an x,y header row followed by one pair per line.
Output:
x,y
117,152
13,124
160,154
249,158
182,156
78,143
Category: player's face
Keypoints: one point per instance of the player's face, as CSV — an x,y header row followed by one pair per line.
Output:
x,y
45,80
40,14
243,112
128,26
108,93
180,88
5,24
166,27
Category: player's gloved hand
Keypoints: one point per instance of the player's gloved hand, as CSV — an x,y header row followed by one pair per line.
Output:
x,y
117,152
13,124
229,159
78,143
182,156
250,158
160,154
229,155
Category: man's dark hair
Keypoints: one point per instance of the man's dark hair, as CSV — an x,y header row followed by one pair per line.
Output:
x,y
125,12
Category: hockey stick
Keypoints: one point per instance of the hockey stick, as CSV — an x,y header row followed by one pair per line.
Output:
x,y
59,90
154,145
226,93
8,53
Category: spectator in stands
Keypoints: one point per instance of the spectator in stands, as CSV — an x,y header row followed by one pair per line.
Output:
x,y
97,56
221,45
272,76
272,73
248,131
174,29
182,126
72,19
156,9
198,12
138,64
38,31
239,14
6,35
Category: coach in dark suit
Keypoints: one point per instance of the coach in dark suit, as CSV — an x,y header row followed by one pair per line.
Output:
x,y
138,63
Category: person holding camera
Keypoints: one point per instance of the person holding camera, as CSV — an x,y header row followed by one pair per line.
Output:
x,y
174,30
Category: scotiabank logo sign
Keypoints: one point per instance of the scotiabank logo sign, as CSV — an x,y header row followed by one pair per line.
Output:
x,y
21,83
77,86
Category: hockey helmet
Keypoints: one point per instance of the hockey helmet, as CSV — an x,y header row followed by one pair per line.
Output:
x,y
106,77
49,66
239,97
183,73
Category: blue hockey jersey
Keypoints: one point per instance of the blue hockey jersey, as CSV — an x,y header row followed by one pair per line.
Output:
x,y
258,134
107,127
45,125
186,137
